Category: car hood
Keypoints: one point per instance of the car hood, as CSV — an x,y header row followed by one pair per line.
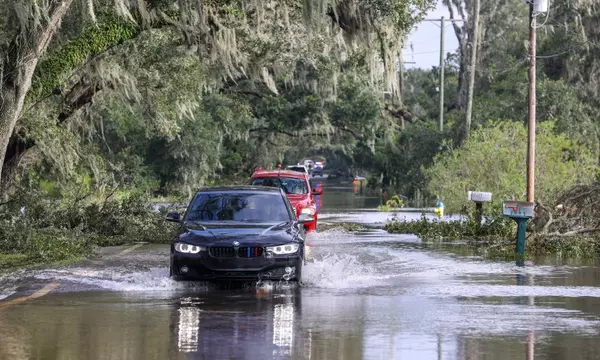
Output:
x,y
245,234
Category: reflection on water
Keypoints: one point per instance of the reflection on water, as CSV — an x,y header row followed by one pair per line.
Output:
x,y
341,196
189,327
235,325
283,328
295,324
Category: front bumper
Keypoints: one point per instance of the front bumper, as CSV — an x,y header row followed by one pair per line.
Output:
x,y
205,267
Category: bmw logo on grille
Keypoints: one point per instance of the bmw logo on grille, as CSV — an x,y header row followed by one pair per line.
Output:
x,y
236,243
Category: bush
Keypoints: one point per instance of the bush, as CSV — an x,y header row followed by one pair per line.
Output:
x,y
494,158
495,226
495,237
394,203
70,228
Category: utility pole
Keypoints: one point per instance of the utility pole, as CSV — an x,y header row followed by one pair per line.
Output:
x,y
442,66
472,71
532,105
442,21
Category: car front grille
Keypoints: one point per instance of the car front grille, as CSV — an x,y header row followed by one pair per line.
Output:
x,y
222,251
229,252
250,252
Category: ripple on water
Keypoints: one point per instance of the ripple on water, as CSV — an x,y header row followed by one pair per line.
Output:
x,y
342,260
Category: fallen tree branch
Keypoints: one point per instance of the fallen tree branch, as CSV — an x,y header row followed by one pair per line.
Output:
x,y
573,232
550,221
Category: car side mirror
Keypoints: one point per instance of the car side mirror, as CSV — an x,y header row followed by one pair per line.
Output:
x,y
174,217
317,191
304,218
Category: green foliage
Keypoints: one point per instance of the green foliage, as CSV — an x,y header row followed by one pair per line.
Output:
x,y
495,237
421,94
565,247
394,203
493,159
71,228
96,38
8,261
491,227
346,226
400,161
556,101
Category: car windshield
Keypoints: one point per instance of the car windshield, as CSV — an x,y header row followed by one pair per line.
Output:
x,y
288,184
297,168
242,206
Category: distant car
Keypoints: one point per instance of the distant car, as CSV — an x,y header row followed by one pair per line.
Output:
x,y
317,171
299,168
309,164
238,233
297,188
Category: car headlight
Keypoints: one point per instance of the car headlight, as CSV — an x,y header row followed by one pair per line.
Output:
x,y
308,210
283,249
188,249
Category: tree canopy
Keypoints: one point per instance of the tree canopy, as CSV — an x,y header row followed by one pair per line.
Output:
x,y
176,88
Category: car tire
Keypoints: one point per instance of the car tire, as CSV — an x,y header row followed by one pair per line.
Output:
x,y
299,275
173,276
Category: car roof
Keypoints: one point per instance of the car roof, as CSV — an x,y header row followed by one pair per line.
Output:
x,y
233,188
277,173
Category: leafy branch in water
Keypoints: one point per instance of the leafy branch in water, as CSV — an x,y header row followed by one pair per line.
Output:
x,y
394,203
34,229
467,229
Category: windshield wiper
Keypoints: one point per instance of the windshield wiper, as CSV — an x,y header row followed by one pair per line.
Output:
x,y
198,224
271,227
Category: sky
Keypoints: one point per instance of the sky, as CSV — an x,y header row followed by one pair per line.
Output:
x,y
425,40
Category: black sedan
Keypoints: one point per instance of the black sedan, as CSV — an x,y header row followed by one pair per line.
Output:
x,y
238,233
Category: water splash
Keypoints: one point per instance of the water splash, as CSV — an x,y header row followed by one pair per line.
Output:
x,y
6,294
120,279
342,260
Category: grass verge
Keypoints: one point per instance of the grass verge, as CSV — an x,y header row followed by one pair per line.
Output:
x,y
348,226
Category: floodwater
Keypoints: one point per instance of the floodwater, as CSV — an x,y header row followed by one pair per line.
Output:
x,y
368,295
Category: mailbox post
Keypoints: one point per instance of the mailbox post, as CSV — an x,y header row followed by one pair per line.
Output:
x,y
479,197
521,212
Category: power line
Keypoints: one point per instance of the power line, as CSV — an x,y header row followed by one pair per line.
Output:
x,y
424,52
503,71
595,44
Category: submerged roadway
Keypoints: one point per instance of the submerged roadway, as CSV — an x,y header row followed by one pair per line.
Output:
x,y
369,295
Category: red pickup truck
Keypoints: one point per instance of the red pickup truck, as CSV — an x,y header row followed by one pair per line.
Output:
x,y
296,185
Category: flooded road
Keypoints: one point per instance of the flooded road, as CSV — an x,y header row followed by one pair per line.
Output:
x,y
368,295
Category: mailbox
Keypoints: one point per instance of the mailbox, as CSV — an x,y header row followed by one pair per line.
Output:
x,y
479,196
518,209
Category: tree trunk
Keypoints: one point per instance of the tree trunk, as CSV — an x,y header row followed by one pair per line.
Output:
x,y
472,65
401,80
461,101
18,148
10,110
19,73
